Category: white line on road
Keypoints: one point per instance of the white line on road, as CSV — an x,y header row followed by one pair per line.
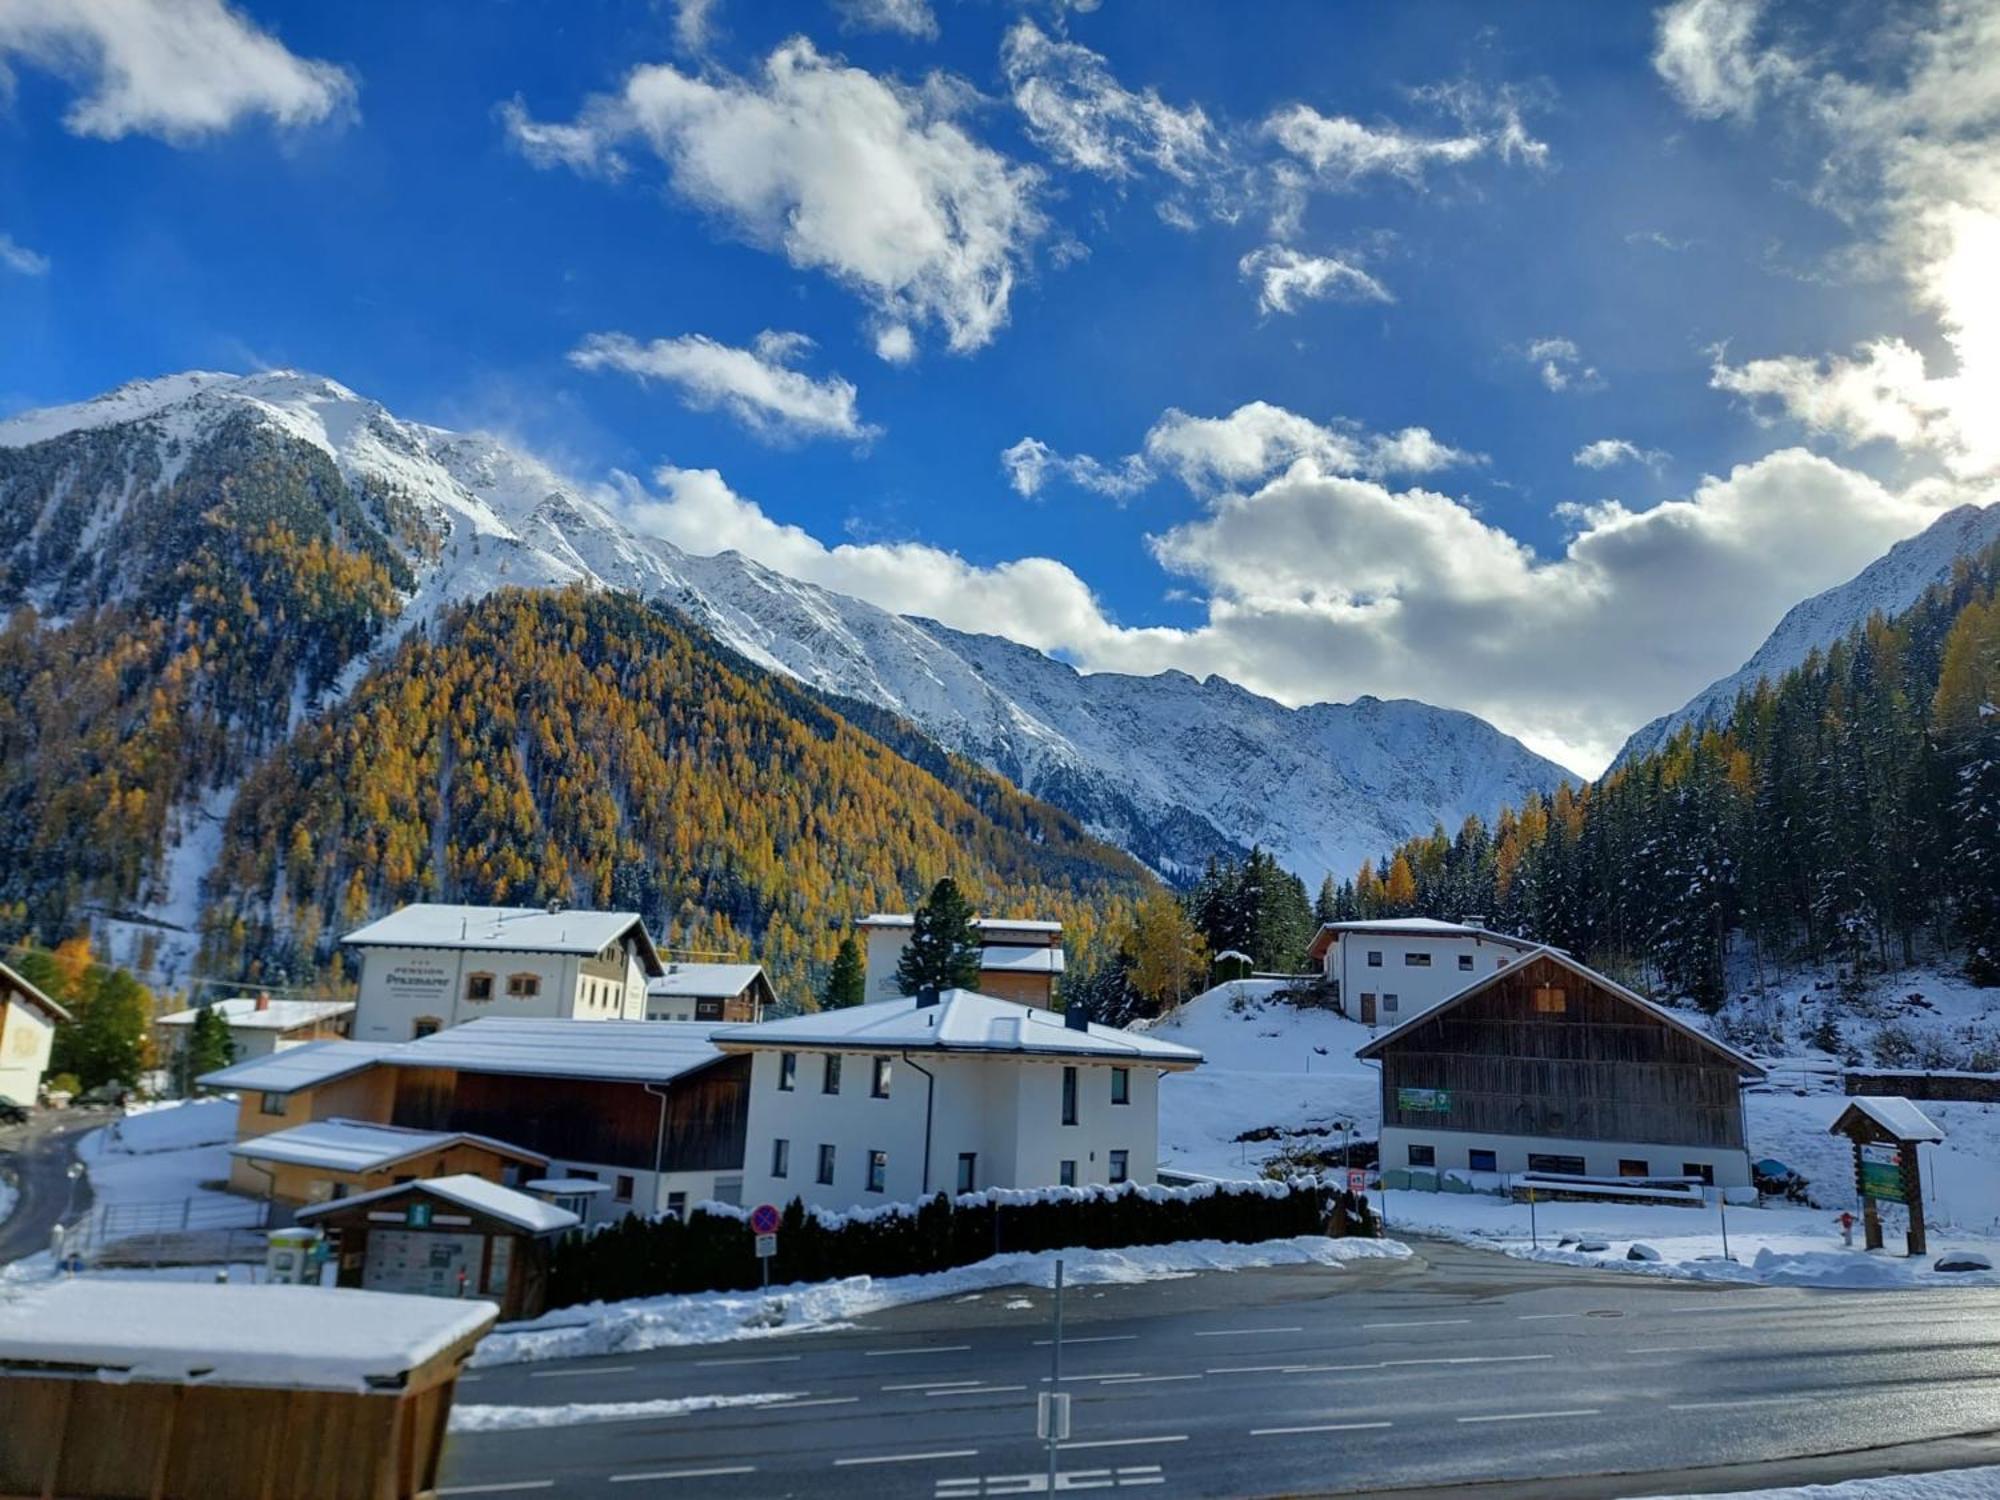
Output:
x,y
1319,1427
593,1370
816,1401
1095,1338
974,1390
762,1359
1676,1348
906,1458
931,1385
928,1349
1732,1405
499,1489
1424,1323
1144,1379
1227,1333
1544,1317
1537,1416
1114,1375
715,1473
1469,1359
1178,1437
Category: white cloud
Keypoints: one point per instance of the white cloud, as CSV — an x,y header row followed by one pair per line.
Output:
x,y
1286,277
1259,440
20,259
1607,453
1031,462
757,386
176,69
694,23
1083,117
1560,364
1342,151
911,18
1706,52
873,182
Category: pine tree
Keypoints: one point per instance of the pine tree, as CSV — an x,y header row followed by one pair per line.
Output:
x,y
1326,908
847,983
208,1046
943,951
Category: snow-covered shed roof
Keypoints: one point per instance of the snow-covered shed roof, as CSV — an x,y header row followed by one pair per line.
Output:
x,y
632,1051
299,1067
11,983
1589,975
1897,1115
706,981
361,1146
285,1337
467,1191
961,1021
1000,958
241,1012
507,929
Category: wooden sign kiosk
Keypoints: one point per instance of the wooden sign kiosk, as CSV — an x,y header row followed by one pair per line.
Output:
x,y
1886,1133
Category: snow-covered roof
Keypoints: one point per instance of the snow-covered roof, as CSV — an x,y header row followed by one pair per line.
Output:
x,y
1556,955
241,1012
1001,924
11,981
1898,1116
1235,953
961,1021
706,981
360,1146
467,1191
634,1051
1426,927
285,1337
1000,958
506,929
299,1067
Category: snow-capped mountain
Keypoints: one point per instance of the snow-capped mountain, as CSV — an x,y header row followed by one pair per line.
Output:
x,y
1891,584
1171,768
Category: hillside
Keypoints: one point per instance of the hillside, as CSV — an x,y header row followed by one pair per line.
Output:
x,y
589,748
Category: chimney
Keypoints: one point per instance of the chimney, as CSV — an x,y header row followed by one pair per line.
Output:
x,y
1076,1016
263,1000
927,997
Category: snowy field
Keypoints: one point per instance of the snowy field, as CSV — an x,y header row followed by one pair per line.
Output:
x,y
1949,1484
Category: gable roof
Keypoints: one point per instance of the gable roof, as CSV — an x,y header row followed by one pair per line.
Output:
x,y
300,1067
507,929
462,1188
961,1021
1431,927
361,1146
544,1047
11,980
241,1012
706,981
1897,1115
1588,975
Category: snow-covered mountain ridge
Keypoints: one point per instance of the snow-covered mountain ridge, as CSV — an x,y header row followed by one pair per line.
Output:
x,y
1890,584
1168,767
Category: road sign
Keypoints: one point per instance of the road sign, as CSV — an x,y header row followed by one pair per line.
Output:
x,y
767,1246
1052,1416
764,1218
1357,1180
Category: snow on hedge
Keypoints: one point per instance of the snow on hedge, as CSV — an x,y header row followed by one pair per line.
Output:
x,y
575,1413
1947,1484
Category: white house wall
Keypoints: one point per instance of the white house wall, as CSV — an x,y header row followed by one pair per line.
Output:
x,y
1415,987
885,951
1452,1150
25,1041
400,986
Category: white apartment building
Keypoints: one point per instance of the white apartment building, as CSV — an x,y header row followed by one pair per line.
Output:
x,y
1386,971
901,1099
432,966
27,1033
1019,959
259,1025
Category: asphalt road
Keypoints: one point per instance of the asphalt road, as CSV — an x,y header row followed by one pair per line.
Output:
x,y
39,1156
1460,1366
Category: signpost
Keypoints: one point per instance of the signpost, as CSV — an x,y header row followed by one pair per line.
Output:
x,y
764,1221
1882,1173
1052,1411
1887,1133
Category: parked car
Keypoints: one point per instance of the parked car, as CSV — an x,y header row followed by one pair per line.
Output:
x,y
12,1113
106,1096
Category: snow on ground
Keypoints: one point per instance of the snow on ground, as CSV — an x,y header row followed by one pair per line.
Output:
x,y
716,1317
1948,1484
162,1152
9,1196
511,1418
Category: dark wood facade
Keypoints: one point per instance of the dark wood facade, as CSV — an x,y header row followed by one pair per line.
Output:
x,y
587,1119
1545,1050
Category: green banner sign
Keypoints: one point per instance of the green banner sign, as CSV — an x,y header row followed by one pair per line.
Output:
x,y
1882,1173
1424,1101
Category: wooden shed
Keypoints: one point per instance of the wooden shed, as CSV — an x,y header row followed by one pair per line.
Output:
x,y
447,1237
128,1390
333,1159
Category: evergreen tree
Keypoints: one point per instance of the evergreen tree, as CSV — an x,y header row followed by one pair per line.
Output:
x,y
207,1048
1326,908
943,951
847,983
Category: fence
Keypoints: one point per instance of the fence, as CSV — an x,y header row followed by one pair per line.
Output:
x,y
205,1229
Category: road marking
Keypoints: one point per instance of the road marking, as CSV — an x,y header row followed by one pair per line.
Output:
x,y
593,1370
929,1349
1731,1405
499,1489
1676,1348
1144,1379
817,1401
1379,1364
1320,1427
1469,1359
1544,1317
931,1385
762,1359
974,1390
1096,1338
715,1473
1179,1437
973,1485
1424,1323
1228,1333
1699,1309
1537,1416
1114,1375
906,1458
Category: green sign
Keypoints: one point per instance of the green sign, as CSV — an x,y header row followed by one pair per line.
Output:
x,y
419,1216
1882,1173
1424,1101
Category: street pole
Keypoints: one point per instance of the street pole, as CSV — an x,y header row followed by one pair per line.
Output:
x,y
1055,1374
1722,1208
1534,1233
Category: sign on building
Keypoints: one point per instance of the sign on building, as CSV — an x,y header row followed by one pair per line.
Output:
x,y
1424,1101
1882,1173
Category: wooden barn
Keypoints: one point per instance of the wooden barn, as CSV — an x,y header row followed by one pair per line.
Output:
x,y
1549,1066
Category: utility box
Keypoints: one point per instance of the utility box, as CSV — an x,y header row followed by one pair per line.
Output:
x,y
292,1258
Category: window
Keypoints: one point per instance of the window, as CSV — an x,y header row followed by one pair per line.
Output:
x,y
1119,1170
878,1171
1066,1174
729,1190
479,986
1632,1166
1121,1085
878,1087
1069,1096
677,1205
524,986
1550,1001
1482,1161
621,1188
1374,958
1423,1156
968,1171
825,1177
1702,1169
1416,960
272,1104
1568,1166
426,1026
1465,962
1388,1002
781,1157
584,1174
829,1082
708,1010
788,1072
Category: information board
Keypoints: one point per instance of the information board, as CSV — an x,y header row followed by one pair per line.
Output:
x,y
1424,1101
1882,1173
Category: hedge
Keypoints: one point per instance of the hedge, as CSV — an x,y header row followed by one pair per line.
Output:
x,y
713,1248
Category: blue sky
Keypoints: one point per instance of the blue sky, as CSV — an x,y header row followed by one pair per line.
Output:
x,y
1231,255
